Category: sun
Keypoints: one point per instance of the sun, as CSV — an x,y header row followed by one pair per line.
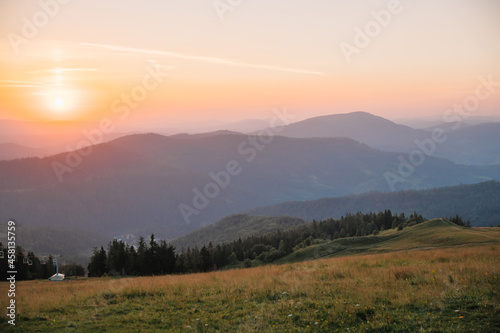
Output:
x,y
59,102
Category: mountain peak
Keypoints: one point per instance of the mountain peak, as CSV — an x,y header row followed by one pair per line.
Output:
x,y
361,126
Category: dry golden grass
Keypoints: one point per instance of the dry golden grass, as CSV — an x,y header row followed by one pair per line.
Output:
x,y
361,292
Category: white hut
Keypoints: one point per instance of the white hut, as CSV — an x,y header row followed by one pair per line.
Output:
x,y
57,277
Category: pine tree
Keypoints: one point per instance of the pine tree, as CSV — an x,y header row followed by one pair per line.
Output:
x,y
206,259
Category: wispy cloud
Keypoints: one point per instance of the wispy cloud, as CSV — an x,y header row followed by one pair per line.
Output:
x,y
28,84
212,60
19,84
61,70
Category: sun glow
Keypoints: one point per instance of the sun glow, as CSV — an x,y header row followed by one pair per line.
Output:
x,y
59,102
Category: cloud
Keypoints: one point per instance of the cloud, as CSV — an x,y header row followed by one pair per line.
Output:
x,y
28,84
212,60
19,84
62,69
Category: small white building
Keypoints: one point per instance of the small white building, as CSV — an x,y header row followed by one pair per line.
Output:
x,y
57,277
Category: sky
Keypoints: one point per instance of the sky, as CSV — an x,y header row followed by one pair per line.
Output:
x,y
229,60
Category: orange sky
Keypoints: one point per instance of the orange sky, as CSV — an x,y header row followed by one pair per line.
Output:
x,y
86,55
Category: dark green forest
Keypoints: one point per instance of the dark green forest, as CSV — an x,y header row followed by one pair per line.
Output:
x,y
158,257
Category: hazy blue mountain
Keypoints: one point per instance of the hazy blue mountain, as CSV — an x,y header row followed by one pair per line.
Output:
x,y
431,122
474,145
363,127
463,143
469,143
10,151
21,139
477,203
136,184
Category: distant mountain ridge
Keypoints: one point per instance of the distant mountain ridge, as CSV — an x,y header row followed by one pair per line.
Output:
x,y
136,184
23,139
364,127
10,151
470,145
464,143
477,203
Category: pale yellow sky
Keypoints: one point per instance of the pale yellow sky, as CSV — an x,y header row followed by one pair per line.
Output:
x,y
80,57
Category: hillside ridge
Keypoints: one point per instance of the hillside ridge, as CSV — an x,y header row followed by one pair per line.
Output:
x,y
435,233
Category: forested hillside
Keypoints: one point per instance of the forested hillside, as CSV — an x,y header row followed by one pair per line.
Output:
x,y
234,227
159,257
478,203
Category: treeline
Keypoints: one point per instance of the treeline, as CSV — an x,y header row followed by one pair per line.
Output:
x,y
459,221
150,258
29,267
156,258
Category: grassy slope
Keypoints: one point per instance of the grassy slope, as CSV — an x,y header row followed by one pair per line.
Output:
x,y
433,233
448,289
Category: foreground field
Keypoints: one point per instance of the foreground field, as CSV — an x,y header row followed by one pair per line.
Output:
x,y
450,289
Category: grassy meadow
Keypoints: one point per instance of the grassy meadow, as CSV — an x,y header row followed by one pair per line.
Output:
x,y
450,289
437,233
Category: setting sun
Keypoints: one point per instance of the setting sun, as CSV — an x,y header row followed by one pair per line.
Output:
x,y
62,103
59,102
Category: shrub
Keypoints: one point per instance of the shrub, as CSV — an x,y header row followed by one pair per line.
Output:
x,y
247,263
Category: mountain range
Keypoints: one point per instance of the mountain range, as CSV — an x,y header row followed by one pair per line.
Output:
x,y
170,185
469,142
462,143
136,184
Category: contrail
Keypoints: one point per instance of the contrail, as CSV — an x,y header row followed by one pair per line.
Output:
x,y
213,60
